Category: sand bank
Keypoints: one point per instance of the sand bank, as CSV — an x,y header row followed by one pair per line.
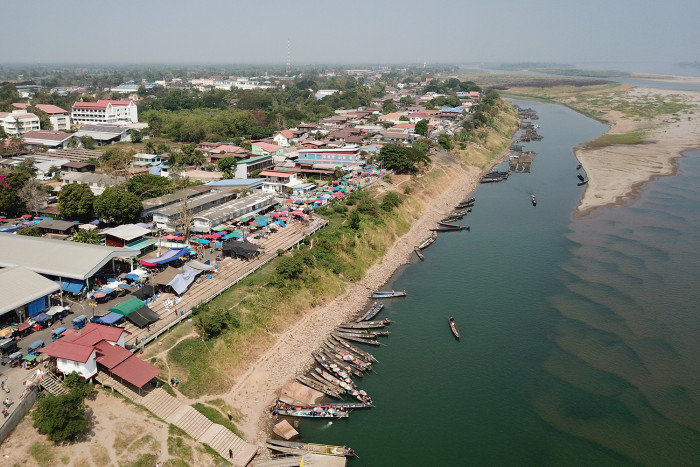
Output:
x,y
615,172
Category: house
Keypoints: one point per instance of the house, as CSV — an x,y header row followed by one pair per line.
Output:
x,y
340,157
223,151
104,111
246,167
75,166
124,235
48,139
146,160
57,116
100,347
205,221
57,227
18,122
398,137
96,182
392,118
24,292
283,138
104,134
312,144
342,135
261,148
450,112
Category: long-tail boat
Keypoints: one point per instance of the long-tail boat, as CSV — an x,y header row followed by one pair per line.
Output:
x,y
372,312
294,447
454,328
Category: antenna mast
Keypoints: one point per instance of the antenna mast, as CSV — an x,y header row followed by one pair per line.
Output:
x,y
289,58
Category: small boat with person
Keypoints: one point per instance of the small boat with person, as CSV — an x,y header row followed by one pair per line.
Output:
x,y
534,200
427,242
310,413
454,328
346,346
580,177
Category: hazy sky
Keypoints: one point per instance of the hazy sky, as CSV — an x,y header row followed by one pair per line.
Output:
x,y
351,31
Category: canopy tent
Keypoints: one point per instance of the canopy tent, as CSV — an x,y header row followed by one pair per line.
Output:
x,y
162,278
143,317
23,326
196,266
182,281
54,309
243,249
41,317
106,290
143,293
132,277
128,306
109,319
73,286
170,255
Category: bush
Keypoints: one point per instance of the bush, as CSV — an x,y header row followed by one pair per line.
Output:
x,y
340,209
391,200
290,268
61,418
368,206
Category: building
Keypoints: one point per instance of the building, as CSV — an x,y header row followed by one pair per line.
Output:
x,y
105,134
124,235
96,181
340,157
283,138
246,167
18,122
58,117
57,227
261,148
75,166
48,139
104,111
146,160
24,292
152,205
205,221
170,217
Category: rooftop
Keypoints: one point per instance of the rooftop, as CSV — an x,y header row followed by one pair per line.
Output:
x,y
126,232
19,285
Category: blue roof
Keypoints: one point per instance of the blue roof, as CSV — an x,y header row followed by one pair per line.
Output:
x,y
451,109
70,285
109,319
236,181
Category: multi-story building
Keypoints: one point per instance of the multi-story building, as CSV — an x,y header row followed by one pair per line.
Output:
x,y
105,112
18,122
340,157
59,118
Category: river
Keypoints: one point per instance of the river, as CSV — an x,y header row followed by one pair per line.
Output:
x,y
579,335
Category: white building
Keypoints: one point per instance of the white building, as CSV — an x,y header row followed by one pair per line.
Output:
x,y
105,112
18,122
59,118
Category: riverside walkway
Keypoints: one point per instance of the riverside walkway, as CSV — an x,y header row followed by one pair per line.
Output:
x,y
230,272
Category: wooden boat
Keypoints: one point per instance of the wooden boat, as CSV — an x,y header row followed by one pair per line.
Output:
x,y
366,333
338,353
351,337
451,218
447,229
454,226
464,204
534,200
310,413
324,388
468,200
578,167
582,183
580,177
294,447
420,255
334,368
358,394
454,328
365,324
348,367
371,313
387,294
427,242
363,354
328,405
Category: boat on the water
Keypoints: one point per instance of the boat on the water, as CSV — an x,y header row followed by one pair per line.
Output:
x,y
371,313
534,200
365,324
355,362
454,328
387,294
420,255
345,346
317,412
580,177
578,167
427,242
324,388
293,447
582,183
354,338
453,226
327,405
441,228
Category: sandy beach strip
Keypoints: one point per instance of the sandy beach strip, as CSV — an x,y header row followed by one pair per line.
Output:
x,y
616,172
257,389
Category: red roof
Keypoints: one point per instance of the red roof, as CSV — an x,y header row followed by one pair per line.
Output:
x,y
227,148
136,371
46,134
68,351
275,173
267,147
50,109
101,104
20,105
286,133
24,116
93,333
410,126
110,355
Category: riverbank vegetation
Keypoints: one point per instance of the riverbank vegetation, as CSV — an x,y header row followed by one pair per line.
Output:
x,y
360,231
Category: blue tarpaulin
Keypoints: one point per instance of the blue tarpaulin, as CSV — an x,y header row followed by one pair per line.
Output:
x,y
171,254
36,307
73,286
109,319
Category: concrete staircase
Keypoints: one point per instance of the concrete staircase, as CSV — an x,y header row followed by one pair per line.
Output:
x,y
53,385
185,417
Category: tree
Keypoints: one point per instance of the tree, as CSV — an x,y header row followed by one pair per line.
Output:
x,y
62,418
116,161
11,204
421,145
404,118
44,119
227,165
149,147
87,141
149,186
32,231
73,142
32,194
422,127
86,236
388,107
444,141
402,159
118,205
136,136
75,201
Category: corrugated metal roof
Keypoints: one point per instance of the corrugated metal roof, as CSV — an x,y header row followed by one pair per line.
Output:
x,y
19,286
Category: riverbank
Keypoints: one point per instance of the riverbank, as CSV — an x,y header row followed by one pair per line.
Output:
x,y
617,171
291,354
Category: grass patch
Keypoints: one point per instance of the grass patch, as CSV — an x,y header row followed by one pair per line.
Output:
x,y
100,455
43,453
218,460
146,460
608,139
178,448
176,463
236,414
216,416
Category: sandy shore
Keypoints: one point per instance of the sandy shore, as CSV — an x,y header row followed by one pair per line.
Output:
x,y
257,389
668,78
616,172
